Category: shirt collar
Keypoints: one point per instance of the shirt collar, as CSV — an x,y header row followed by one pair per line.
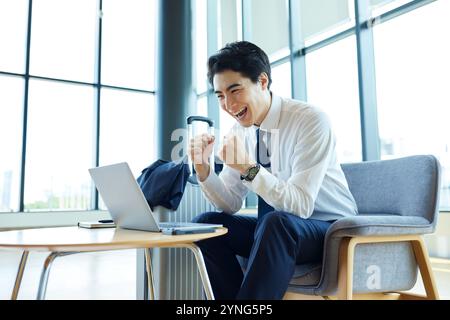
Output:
x,y
272,118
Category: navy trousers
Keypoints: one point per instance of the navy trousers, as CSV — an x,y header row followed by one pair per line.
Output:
x,y
273,244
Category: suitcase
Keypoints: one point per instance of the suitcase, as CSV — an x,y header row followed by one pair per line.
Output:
x,y
175,270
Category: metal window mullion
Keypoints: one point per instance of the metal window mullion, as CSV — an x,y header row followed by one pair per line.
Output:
x,y
280,61
212,47
394,13
328,41
97,84
247,15
6,73
367,83
25,111
126,89
298,64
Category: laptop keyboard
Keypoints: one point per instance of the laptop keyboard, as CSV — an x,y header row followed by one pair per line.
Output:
x,y
176,224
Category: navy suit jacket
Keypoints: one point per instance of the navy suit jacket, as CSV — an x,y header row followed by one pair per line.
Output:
x,y
163,183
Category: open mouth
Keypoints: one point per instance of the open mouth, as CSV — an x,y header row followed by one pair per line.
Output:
x,y
241,114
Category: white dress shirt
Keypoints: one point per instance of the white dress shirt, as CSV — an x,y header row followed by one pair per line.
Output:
x,y
304,179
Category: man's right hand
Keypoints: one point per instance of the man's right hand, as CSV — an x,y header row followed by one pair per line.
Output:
x,y
200,149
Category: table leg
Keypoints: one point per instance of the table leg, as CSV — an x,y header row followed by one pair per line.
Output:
x,y
46,271
202,270
148,266
23,262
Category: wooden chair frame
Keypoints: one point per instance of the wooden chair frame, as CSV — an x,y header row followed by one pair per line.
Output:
x,y
345,273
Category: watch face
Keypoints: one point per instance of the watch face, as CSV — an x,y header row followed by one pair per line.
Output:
x,y
252,173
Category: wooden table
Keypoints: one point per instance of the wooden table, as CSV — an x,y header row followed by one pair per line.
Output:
x,y
71,240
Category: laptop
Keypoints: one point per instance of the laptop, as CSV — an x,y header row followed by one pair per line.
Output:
x,y
127,204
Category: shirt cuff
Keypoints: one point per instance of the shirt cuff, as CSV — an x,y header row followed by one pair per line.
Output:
x,y
263,182
210,181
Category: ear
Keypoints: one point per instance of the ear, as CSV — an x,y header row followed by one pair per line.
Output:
x,y
264,80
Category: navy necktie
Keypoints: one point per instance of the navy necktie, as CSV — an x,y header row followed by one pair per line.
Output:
x,y
262,157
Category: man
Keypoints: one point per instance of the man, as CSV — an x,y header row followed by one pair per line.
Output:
x,y
284,151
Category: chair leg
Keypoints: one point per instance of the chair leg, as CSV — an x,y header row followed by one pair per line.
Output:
x,y
148,266
345,275
421,253
23,262
202,270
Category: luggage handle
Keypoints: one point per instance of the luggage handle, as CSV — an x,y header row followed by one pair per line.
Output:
x,y
191,119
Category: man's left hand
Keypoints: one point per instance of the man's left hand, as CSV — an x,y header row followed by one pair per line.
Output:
x,y
233,154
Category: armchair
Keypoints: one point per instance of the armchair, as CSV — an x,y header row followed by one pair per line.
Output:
x,y
376,253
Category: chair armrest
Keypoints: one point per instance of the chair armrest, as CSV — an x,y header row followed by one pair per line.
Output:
x,y
379,225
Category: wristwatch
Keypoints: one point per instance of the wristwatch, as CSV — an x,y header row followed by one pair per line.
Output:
x,y
251,173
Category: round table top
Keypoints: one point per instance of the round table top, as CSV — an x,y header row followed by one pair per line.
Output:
x,y
67,239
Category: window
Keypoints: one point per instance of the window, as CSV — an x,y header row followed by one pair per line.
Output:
x,y
378,7
13,30
332,81
270,28
63,39
61,133
229,21
200,48
11,119
127,129
128,43
59,146
317,23
413,76
281,80
202,106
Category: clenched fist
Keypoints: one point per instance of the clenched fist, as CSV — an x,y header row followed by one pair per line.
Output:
x,y
233,154
200,149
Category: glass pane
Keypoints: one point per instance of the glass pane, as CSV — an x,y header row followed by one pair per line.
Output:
x,y
413,86
128,43
332,81
200,48
11,102
63,39
127,129
59,146
378,7
202,106
13,33
320,19
271,35
281,80
229,21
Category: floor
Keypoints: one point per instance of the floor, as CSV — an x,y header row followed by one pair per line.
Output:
x,y
112,275
90,276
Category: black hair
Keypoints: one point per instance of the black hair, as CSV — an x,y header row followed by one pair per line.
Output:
x,y
243,57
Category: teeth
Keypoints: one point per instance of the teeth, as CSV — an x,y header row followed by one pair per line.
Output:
x,y
236,114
